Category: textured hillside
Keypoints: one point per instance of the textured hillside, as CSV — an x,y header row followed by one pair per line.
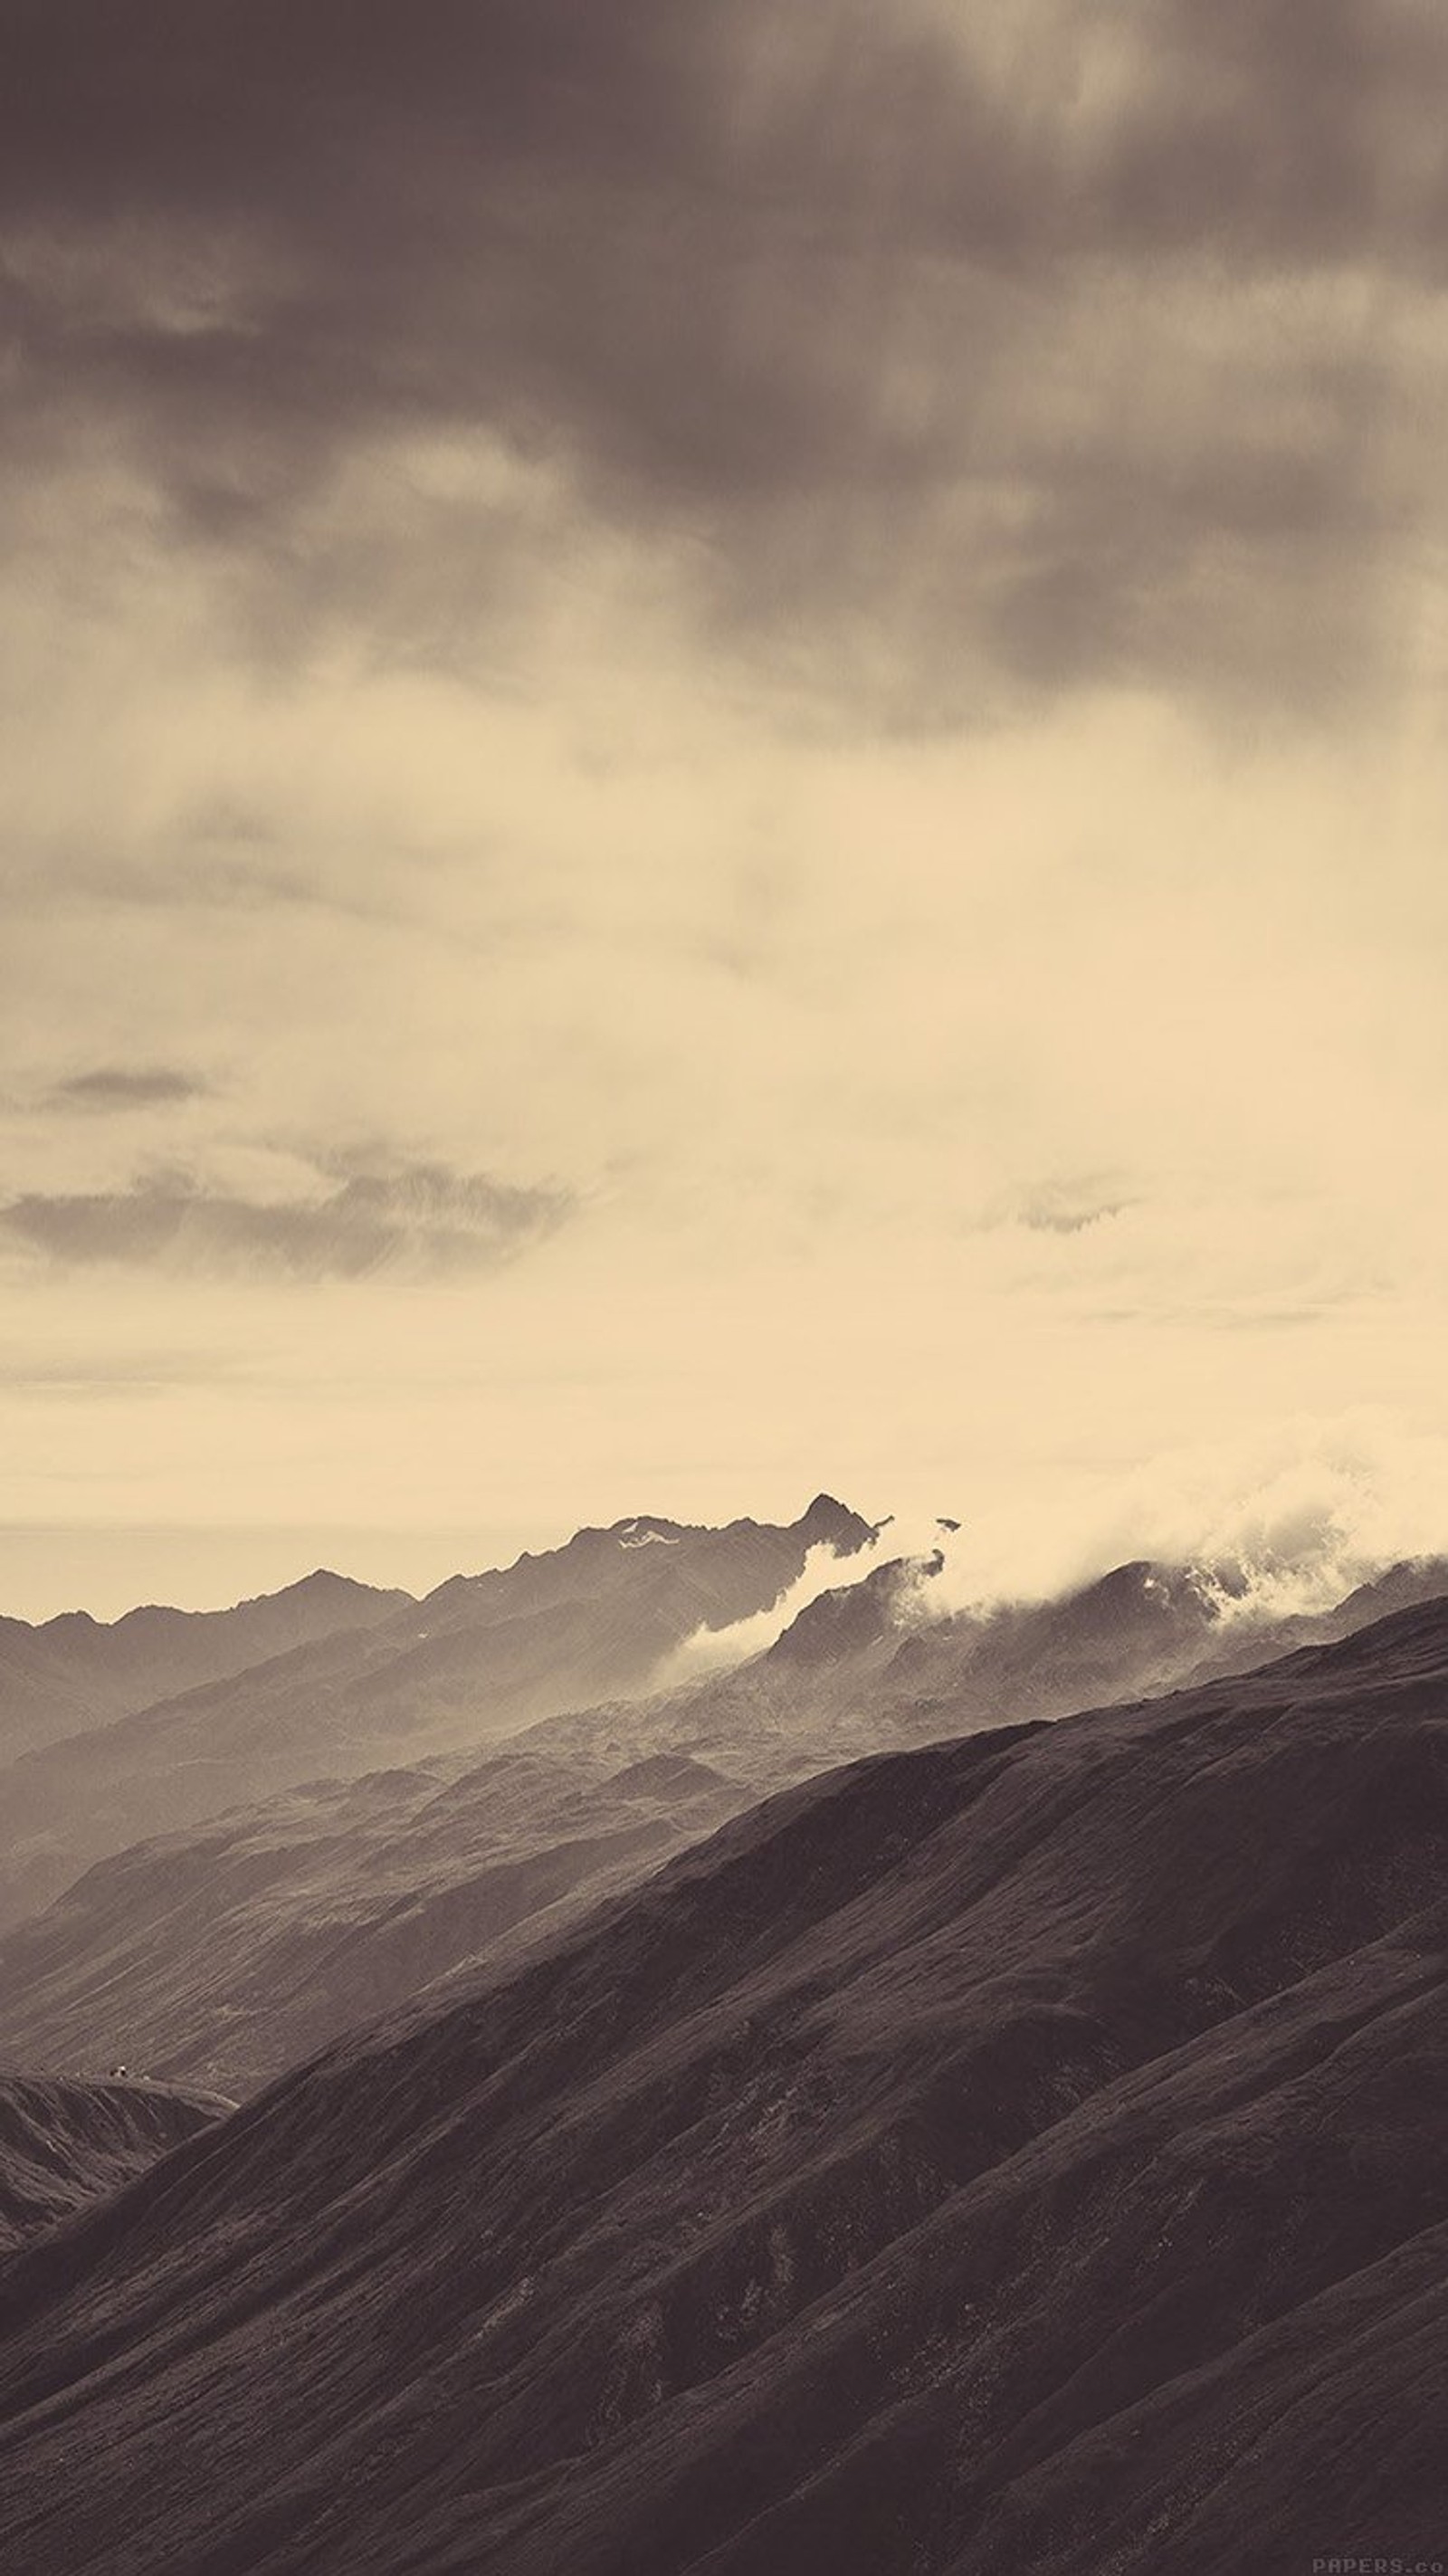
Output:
x,y
1020,2153
65,2142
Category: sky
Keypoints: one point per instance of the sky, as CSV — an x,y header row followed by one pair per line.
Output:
x,y
722,771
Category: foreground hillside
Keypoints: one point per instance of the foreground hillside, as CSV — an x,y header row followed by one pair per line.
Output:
x,y
482,1656
227,1952
1014,2155
63,2143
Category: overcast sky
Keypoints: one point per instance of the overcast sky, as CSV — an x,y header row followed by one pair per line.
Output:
x,y
723,770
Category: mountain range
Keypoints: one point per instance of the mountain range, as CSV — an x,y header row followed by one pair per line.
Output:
x,y
342,1680
76,1672
1015,2152
225,1951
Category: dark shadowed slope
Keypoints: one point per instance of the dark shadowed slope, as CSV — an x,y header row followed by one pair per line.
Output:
x,y
228,1952
1018,2154
76,1672
65,2142
479,1658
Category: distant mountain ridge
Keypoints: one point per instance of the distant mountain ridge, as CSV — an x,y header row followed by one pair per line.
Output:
x,y
1012,2154
479,1657
75,1671
1144,1626
230,1949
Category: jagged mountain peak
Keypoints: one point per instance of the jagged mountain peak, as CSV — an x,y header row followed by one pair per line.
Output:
x,y
827,1521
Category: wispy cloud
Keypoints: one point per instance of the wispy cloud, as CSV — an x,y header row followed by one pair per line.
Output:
x,y
1294,1516
421,1218
120,1087
89,1374
1069,1206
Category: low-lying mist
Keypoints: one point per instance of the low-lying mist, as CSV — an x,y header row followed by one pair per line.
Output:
x,y
1273,1529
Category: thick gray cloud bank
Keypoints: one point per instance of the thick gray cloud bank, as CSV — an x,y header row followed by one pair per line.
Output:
x,y
423,1220
956,354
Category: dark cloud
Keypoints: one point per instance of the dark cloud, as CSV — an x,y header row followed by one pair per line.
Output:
x,y
1297,134
939,349
420,1218
119,1086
